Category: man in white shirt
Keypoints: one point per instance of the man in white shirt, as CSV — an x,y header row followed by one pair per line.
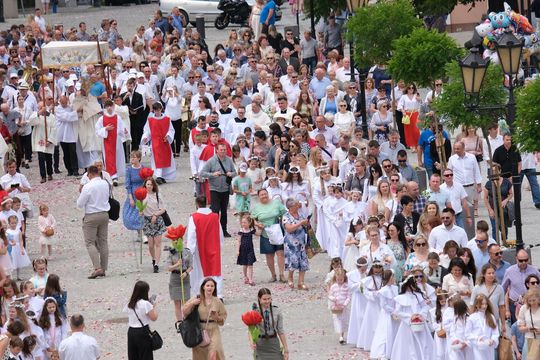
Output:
x,y
201,91
448,230
66,125
321,128
223,60
458,198
528,169
495,140
121,50
327,149
343,73
292,89
40,21
78,346
16,184
466,171
94,199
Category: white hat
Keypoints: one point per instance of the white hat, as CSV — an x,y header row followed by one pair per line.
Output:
x,y
132,76
140,75
13,74
243,167
23,85
133,71
69,83
77,86
73,77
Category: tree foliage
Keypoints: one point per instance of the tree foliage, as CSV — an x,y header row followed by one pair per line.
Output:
x,y
372,30
421,56
323,8
438,7
451,103
527,123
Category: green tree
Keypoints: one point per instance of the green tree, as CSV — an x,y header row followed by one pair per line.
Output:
x,y
372,30
323,8
421,57
527,123
450,104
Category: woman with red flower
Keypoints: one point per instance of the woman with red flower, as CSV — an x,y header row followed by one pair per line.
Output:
x,y
271,332
130,215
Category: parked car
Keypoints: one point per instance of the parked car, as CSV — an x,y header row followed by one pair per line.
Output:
x,y
208,8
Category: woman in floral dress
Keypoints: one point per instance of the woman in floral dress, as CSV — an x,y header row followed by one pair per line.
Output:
x,y
295,243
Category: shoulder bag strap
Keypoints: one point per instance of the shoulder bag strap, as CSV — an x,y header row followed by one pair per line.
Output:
x,y
137,316
222,167
532,322
492,291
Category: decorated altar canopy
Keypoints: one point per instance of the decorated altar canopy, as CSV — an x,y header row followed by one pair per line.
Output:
x,y
58,54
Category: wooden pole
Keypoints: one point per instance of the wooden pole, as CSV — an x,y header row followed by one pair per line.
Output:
x,y
103,67
42,84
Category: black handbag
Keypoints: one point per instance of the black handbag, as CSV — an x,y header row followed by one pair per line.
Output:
x,y
228,179
165,216
114,206
157,341
190,329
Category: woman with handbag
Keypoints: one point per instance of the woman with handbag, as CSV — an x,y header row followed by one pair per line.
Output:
x,y
141,310
154,225
266,214
212,315
295,242
529,324
272,335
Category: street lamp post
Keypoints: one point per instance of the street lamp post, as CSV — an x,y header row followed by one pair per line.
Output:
x,y
473,70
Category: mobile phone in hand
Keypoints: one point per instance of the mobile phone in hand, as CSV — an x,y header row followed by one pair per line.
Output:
x,y
153,298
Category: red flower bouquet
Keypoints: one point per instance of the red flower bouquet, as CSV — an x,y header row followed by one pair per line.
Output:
x,y
176,234
140,195
146,173
252,319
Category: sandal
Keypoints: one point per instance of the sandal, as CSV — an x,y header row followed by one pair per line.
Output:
x,y
246,280
291,284
273,279
302,287
282,279
252,283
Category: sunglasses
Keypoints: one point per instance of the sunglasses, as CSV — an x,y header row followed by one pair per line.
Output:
x,y
418,276
387,166
421,244
438,84
343,106
480,241
523,260
402,161
498,253
533,282
448,175
384,107
395,180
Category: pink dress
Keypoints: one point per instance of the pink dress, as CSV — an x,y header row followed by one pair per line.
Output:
x,y
43,223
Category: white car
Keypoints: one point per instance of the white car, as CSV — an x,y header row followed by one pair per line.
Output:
x,y
193,8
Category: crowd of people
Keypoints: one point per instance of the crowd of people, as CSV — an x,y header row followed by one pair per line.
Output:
x,y
272,126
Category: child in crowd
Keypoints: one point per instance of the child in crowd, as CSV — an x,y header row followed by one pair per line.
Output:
x,y
256,174
19,257
518,340
339,298
35,303
436,316
459,347
15,347
21,224
5,259
54,326
53,290
244,248
387,325
482,331
274,189
434,272
39,280
242,187
335,264
351,251
46,225
195,162
7,210
358,301
29,344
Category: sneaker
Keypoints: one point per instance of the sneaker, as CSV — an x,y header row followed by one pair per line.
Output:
x,y
341,340
156,269
226,234
57,171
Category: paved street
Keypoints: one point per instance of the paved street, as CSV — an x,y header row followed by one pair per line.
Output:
x,y
308,323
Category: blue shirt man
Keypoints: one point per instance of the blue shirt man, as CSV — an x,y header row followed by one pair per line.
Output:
x,y
426,137
319,83
270,5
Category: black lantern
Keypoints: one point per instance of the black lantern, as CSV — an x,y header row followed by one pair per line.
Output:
x,y
473,70
509,50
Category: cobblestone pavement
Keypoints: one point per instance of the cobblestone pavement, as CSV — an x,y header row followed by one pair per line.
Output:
x,y
308,323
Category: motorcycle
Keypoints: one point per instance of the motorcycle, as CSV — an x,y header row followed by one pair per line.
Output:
x,y
237,12
233,11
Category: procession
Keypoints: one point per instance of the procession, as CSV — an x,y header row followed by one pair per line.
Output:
x,y
282,195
